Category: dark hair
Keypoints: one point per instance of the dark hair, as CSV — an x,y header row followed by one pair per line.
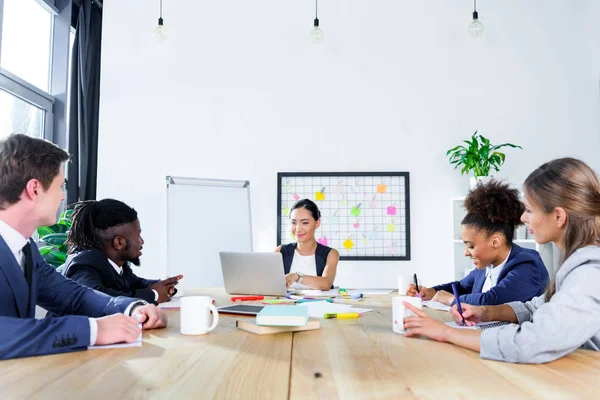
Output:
x,y
309,205
91,217
572,185
494,207
23,158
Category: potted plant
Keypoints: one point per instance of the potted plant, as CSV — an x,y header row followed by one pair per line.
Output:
x,y
54,250
479,156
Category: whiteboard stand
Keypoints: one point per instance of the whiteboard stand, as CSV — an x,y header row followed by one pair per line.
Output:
x,y
203,218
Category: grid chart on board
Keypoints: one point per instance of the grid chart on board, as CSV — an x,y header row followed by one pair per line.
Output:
x,y
365,216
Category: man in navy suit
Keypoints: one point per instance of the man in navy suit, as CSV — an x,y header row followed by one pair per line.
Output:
x,y
31,182
104,239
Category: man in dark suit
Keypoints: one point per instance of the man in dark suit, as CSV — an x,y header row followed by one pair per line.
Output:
x,y
105,237
31,190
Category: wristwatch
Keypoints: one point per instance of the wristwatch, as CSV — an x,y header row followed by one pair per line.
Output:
x,y
300,277
135,304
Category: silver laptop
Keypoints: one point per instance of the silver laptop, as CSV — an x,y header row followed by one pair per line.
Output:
x,y
253,273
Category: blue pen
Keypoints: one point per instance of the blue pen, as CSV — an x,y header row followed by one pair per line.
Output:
x,y
455,290
310,300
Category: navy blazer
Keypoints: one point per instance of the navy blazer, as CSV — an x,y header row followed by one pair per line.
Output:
x,y
522,278
92,268
21,335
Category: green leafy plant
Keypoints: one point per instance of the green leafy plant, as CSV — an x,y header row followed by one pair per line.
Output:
x,y
54,237
479,156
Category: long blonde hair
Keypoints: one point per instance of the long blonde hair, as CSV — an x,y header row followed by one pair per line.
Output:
x,y
572,185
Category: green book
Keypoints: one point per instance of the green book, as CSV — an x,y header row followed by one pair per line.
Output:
x,y
273,315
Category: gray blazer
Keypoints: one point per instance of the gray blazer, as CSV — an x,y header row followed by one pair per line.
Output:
x,y
548,331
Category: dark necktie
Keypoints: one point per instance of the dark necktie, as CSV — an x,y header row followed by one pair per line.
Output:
x,y
28,269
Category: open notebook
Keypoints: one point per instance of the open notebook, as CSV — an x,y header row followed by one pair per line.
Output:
x,y
481,325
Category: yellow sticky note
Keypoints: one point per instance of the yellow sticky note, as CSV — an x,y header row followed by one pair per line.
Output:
x,y
381,188
348,244
320,196
343,203
391,228
286,211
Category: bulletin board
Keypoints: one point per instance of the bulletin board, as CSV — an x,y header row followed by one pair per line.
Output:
x,y
364,215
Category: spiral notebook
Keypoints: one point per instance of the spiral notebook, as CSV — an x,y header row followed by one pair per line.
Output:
x,y
481,325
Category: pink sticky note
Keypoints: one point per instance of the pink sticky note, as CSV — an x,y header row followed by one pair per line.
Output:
x,y
391,210
356,225
391,250
338,189
373,204
323,240
296,197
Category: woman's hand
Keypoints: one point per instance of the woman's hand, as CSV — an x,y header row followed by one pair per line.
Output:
x,y
426,293
471,314
424,325
444,297
290,278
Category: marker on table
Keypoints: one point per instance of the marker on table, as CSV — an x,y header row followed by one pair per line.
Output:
x,y
341,315
455,290
247,298
417,286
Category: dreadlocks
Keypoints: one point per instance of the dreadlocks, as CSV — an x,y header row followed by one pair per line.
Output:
x,y
92,217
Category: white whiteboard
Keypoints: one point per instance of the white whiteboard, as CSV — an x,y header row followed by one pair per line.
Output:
x,y
205,217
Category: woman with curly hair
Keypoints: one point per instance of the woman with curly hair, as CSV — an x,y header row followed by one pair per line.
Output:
x,y
503,271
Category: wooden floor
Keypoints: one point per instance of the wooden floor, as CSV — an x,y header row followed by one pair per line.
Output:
x,y
345,359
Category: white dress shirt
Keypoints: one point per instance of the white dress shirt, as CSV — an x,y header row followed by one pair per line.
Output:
x,y
119,271
492,273
15,242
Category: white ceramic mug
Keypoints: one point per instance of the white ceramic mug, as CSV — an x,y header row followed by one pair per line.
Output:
x,y
399,312
195,315
402,285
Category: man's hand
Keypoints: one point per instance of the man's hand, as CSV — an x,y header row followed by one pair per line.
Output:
x,y
117,328
165,288
150,316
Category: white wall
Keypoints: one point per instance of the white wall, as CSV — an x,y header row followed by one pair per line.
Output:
x,y
239,92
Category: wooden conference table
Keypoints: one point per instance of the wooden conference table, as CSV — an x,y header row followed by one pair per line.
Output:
x,y
345,359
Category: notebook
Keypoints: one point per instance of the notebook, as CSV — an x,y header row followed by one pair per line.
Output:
x,y
481,325
282,315
249,325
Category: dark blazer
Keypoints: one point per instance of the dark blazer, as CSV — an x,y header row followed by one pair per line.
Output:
x,y
522,278
288,250
92,268
21,335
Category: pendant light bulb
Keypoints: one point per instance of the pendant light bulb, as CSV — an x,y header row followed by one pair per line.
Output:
x,y
160,33
475,27
316,35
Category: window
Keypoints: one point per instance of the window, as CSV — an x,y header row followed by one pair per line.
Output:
x,y
17,115
27,41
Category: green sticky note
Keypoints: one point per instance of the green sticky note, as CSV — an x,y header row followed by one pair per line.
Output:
x,y
355,211
286,211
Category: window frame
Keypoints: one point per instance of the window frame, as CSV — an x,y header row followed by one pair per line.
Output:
x,y
53,103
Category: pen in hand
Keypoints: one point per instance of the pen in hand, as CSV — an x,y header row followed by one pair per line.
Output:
x,y
417,286
458,306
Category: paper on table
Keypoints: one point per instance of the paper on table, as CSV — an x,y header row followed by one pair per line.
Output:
x,y
317,309
137,343
436,305
481,325
331,292
175,303
371,292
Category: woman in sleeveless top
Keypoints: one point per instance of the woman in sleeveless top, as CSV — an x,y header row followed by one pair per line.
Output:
x,y
307,264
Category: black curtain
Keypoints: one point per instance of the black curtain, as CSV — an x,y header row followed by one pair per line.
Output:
x,y
85,98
